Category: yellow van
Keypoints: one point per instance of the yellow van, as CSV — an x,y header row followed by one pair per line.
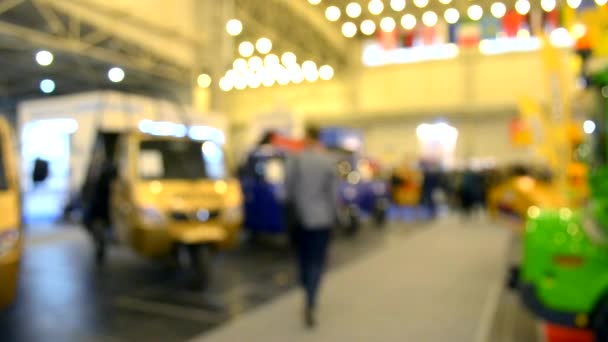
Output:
x,y
170,197
10,220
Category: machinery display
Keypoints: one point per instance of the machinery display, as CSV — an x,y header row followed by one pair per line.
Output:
x,y
11,230
564,273
168,196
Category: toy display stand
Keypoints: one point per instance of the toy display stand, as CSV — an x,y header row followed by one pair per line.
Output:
x,y
555,333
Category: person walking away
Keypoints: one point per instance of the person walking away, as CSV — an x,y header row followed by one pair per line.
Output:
x,y
312,191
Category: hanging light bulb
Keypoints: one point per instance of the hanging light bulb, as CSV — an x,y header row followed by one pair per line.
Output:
x,y
326,72
349,29
246,49
429,19
548,5
498,10
288,58
387,24
398,5
522,7
375,7
451,15
408,22
332,13
601,2
263,45
353,10
574,3
421,3
271,60
314,2
368,27
475,12
234,27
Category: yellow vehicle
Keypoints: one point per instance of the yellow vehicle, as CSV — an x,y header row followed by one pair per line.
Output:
x,y
513,196
168,197
10,220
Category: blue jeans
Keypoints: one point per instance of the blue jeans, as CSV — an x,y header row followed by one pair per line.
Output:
x,y
312,248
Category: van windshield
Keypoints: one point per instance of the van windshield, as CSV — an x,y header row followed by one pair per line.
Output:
x,y
180,159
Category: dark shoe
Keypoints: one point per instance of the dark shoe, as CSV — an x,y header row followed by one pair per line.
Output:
x,y
310,318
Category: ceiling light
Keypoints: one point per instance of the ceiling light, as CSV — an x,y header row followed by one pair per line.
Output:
x,y
349,29
368,27
578,30
498,10
375,7
311,75
601,2
47,86
271,59
560,37
326,72
246,49
268,79
353,10
548,5
240,83
408,22
523,33
475,12
240,65
263,45
445,2
288,58
387,24
589,126
398,5
332,13
574,3
282,76
116,74
226,84
421,3
44,58
308,66
522,7
451,15
429,18
255,63
314,2
203,80
234,27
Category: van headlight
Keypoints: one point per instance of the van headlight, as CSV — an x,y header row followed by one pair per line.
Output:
x,y
8,241
233,214
151,217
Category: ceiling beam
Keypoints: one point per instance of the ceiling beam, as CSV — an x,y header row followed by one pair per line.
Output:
x,y
8,5
78,47
318,23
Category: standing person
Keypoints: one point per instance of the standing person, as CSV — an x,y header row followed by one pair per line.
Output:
x,y
312,192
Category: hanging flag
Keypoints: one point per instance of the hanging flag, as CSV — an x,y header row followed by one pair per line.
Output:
x,y
428,35
490,26
511,23
388,40
442,32
453,33
469,34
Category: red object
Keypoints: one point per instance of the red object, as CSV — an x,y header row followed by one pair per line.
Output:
x,y
556,333
287,143
388,40
408,38
511,23
552,20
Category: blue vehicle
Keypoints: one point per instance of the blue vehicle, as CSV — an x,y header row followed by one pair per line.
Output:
x,y
263,183
361,193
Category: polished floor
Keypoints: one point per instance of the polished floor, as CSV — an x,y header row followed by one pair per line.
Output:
x,y
64,297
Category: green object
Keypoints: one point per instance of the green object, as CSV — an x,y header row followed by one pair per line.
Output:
x,y
564,275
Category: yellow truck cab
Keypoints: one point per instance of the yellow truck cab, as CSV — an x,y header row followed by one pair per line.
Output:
x,y
10,220
169,194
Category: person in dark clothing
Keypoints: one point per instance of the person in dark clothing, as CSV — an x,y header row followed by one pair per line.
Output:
x,y
312,192
97,215
430,183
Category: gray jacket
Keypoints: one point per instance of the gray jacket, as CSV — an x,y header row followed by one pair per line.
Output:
x,y
312,187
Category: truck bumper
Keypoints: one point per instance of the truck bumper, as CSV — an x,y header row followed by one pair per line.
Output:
x,y
562,318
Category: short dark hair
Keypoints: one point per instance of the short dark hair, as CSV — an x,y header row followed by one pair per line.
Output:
x,y
313,132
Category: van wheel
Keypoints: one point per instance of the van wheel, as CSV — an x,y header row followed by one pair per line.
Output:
x,y
200,262
600,322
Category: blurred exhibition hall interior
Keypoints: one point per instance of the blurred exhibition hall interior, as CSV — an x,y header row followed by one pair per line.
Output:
x,y
304,170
